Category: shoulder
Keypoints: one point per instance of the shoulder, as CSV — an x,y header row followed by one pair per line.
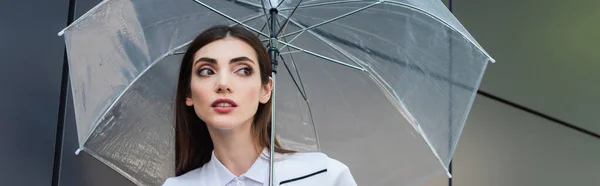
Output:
x,y
189,178
304,156
317,159
337,173
302,161
336,166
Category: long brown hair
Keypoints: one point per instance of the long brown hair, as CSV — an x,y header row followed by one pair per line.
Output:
x,y
193,145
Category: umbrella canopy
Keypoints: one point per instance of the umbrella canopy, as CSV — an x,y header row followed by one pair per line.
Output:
x,y
384,86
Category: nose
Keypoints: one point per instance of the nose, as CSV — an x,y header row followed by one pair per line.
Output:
x,y
223,89
223,85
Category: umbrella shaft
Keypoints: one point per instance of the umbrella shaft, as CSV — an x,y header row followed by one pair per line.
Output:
x,y
273,53
272,149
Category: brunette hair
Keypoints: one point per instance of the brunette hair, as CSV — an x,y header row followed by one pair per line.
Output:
x,y
193,145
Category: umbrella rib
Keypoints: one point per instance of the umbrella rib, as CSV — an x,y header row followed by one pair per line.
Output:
x,y
312,120
314,126
441,21
266,15
325,22
288,18
249,19
306,100
293,79
302,6
377,78
330,44
388,91
263,28
415,68
293,62
289,52
324,57
301,87
325,3
84,16
229,17
300,32
292,40
249,3
187,43
279,4
335,18
302,91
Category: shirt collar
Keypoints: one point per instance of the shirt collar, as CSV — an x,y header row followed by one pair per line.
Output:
x,y
223,174
259,171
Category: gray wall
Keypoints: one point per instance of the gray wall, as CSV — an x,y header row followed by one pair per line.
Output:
x,y
30,79
501,145
504,146
547,60
547,53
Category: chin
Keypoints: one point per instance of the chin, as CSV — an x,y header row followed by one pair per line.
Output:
x,y
223,123
222,126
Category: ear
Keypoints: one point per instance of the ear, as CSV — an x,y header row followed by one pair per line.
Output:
x,y
189,102
265,92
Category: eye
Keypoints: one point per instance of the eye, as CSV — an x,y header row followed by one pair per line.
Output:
x,y
205,72
245,71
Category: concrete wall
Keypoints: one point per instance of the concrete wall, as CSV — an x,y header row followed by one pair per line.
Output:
x,y
31,64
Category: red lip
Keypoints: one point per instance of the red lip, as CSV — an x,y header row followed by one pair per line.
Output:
x,y
223,100
223,110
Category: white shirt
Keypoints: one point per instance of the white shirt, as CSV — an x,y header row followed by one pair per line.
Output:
x,y
255,176
290,170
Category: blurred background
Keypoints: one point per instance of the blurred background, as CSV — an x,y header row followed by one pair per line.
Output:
x,y
535,120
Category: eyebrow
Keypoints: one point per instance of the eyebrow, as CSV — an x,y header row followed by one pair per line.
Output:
x,y
214,61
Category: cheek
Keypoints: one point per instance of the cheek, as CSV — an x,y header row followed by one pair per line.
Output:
x,y
251,96
200,93
254,93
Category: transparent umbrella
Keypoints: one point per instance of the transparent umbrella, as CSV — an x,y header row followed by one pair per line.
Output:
x,y
383,86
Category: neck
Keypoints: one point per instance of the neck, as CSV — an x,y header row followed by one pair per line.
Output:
x,y
235,148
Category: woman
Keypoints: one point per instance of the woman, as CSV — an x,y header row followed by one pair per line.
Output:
x,y
223,112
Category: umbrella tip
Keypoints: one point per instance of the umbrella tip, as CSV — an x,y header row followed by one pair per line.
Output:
x,y
61,33
77,151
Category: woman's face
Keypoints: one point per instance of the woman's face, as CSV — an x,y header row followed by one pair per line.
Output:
x,y
225,84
